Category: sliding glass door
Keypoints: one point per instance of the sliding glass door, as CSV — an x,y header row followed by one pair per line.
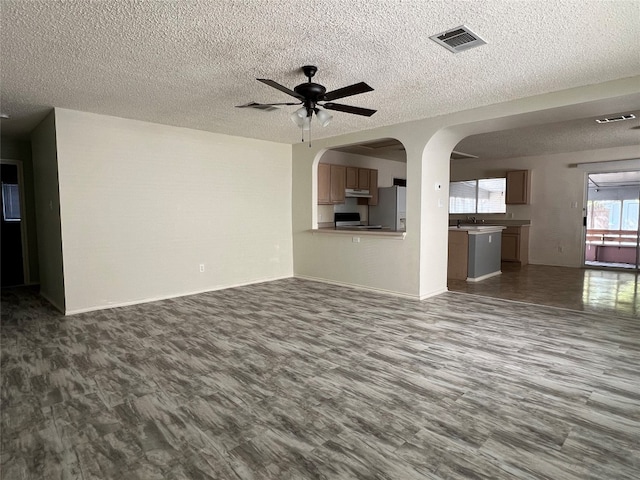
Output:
x,y
613,220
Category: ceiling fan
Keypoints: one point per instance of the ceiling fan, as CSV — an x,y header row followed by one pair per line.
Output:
x,y
312,96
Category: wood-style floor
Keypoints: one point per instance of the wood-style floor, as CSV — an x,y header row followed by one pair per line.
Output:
x,y
610,292
301,380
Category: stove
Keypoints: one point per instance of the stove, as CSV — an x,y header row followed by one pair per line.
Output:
x,y
351,221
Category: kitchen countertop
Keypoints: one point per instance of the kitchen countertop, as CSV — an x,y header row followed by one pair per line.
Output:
x,y
506,223
356,232
478,229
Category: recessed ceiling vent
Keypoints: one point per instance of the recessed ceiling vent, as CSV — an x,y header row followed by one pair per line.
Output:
x,y
458,39
617,118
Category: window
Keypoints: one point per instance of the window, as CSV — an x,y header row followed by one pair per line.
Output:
x,y
630,210
462,197
485,195
612,214
10,202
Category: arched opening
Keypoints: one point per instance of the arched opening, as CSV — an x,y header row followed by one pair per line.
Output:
x,y
545,198
356,185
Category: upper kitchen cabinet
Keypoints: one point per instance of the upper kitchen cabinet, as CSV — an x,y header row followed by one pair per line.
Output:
x,y
358,178
334,179
338,183
324,184
352,177
331,184
363,178
518,187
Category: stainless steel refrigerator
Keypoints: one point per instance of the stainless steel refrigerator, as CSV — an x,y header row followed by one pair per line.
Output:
x,y
391,210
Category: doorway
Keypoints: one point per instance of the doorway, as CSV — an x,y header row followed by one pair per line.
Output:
x,y
12,246
613,220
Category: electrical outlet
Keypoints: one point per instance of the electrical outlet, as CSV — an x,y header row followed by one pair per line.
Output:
x,y
202,268
319,217
355,239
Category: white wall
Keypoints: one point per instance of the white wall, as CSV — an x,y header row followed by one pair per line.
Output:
x,y
556,233
47,207
143,205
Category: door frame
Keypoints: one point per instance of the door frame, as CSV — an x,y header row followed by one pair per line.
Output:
x,y
23,220
585,210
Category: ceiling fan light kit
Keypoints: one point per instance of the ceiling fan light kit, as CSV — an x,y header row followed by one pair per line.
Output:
x,y
311,96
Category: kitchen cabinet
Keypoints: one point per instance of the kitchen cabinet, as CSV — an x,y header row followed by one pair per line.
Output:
x,y
474,252
338,183
518,187
333,179
358,178
331,183
324,184
363,178
515,244
352,177
458,256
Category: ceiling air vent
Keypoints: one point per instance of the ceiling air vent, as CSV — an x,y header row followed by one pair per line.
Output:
x,y
617,118
260,106
458,39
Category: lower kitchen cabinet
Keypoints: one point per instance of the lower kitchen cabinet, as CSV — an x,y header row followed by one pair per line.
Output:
x,y
458,258
515,244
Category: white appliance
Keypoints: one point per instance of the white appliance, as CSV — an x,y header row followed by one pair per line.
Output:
x,y
391,210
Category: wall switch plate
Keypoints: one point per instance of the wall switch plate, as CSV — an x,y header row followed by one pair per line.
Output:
x,y
489,238
202,268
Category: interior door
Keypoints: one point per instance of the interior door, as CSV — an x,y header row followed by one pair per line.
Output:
x,y
612,234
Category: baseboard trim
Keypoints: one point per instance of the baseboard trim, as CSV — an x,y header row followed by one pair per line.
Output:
x,y
440,291
484,277
168,297
359,287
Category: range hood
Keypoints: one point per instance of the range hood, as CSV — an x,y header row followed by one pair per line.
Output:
x,y
356,193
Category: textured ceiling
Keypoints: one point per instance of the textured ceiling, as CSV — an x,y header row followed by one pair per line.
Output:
x,y
189,62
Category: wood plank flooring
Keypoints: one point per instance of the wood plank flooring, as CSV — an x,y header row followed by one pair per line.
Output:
x,y
295,379
611,292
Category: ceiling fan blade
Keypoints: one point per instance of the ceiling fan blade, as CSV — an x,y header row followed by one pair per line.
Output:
x,y
264,106
354,89
282,88
367,112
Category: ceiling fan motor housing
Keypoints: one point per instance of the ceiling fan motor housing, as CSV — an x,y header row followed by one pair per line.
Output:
x,y
312,93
